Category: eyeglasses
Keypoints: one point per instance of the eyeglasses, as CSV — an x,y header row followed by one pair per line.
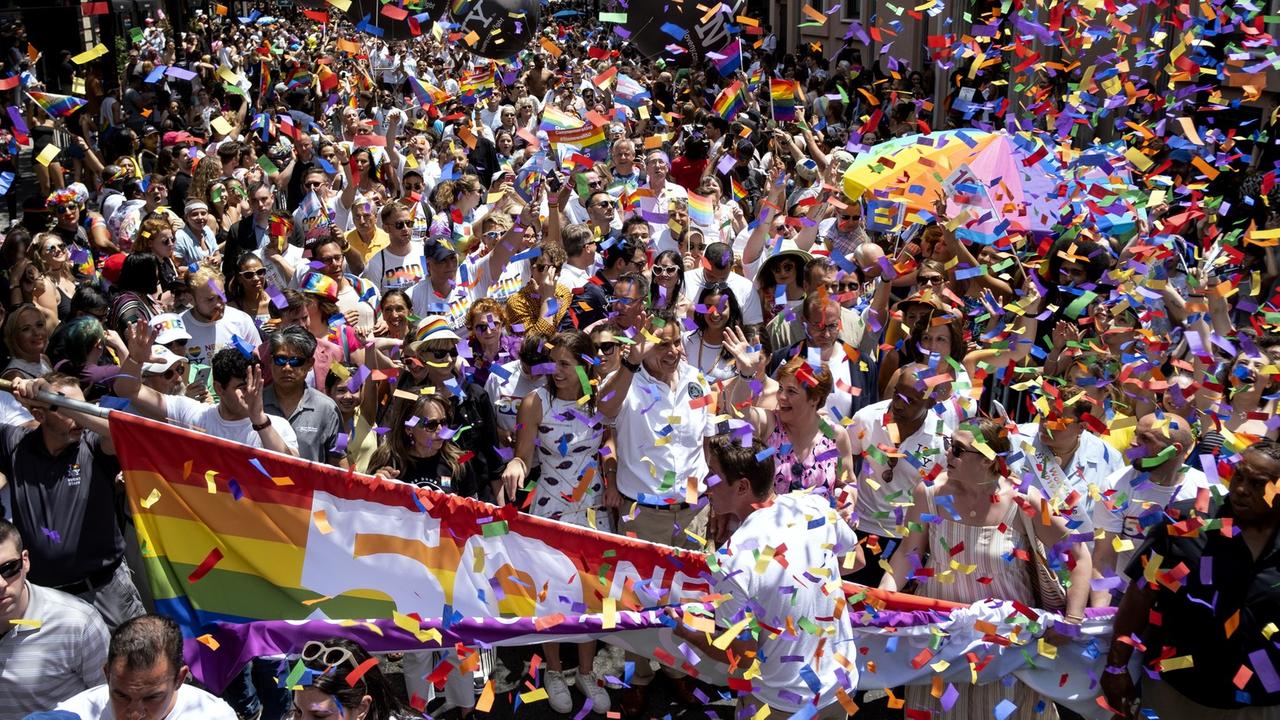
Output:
x,y
607,348
251,274
828,328
431,425
55,248
665,269
403,224
603,204
851,218
932,280
484,327
292,361
10,570
543,267
167,240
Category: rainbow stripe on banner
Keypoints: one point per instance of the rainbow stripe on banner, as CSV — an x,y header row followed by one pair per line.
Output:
x,y
59,106
784,96
730,101
589,140
235,534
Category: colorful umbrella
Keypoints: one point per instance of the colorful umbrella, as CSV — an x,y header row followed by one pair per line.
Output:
x,y
1015,177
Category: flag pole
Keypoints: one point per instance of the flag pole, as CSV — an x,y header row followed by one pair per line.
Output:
x,y
62,401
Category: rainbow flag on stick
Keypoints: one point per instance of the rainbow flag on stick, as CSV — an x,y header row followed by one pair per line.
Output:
x,y
588,140
59,106
701,211
730,102
783,96
554,118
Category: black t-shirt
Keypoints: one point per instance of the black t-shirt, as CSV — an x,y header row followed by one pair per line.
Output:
x,y
434,473
1222,582
64,506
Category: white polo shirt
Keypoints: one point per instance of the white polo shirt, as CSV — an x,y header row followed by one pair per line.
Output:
x,y
660,437
882,507
1132,504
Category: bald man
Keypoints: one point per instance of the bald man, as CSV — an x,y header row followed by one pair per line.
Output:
x,y
1135,498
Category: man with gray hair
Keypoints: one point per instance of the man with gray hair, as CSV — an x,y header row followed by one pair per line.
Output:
x,y
312,414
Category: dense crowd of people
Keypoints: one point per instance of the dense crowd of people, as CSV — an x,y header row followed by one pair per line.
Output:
x,y
372,254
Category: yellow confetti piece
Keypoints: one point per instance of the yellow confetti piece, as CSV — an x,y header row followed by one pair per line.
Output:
x,y
1177,663
220,125
762,713
282,480
208,641
48,154
538,693
1047,649
90,55
209,484
28,622
321,521
727,636
316,601
1269,630
610,613
151,499
343,5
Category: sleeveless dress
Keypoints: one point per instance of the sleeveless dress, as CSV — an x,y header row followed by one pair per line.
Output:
x,y
568,444
986,547
817,470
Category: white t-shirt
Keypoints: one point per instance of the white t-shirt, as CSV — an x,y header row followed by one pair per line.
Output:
x,y
1135,499
653,411
389,271
803,588
195,414
208,338
743,291
508,392
192,704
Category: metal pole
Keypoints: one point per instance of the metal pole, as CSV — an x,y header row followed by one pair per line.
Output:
x,y
62,401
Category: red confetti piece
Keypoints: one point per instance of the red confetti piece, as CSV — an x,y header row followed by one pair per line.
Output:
x,y
354,676
213,558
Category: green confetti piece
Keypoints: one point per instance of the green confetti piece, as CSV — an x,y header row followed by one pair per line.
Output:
x,y
1078,305
495,529
265,163
612,17
295,674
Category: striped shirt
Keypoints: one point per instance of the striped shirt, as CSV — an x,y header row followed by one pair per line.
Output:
x,y
44,663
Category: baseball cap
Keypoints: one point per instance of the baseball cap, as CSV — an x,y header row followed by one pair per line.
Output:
x,y
169,328
438,251
162,359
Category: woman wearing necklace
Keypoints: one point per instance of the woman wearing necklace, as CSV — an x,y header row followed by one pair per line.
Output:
x,y
976,506
813,454
716,310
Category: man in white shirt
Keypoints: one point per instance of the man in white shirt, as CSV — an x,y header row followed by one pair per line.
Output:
x,y
145,672
1066,462
661,406
718,267
775,595
900,441
399,264
1134,499
211,323
237,381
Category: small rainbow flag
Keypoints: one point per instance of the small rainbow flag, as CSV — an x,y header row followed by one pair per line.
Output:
x,y
589,140
298,79
784,97
555,119
59,106
730,101
701,210
739,192
754,81
427,93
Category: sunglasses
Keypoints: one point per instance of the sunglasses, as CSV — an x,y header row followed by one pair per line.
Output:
x,y
957,450
932,280
251,274
292,361
432,425
607,348
851,218
442,354
322,654
55,248
10,570
665,269
484,327
312,185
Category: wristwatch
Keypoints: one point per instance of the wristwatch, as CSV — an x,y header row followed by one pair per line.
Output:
x,y
265,424
633,367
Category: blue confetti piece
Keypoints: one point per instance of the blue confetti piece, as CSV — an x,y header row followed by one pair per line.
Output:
x,y
674,30
236,491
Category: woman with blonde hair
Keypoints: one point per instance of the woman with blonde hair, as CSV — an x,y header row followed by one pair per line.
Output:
x,y
51,292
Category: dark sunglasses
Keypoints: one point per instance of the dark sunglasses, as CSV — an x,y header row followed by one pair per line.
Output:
x,y
442,354
10,570
289,360
431,425
607,348
404,224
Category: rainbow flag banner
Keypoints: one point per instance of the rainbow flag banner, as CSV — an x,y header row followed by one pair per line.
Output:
x,y
255,553
233,534
784,97
426,93
60,106
589,140
730,102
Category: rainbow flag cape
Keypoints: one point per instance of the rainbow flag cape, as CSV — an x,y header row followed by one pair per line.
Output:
x,y
784,97
588,140
730,101
60,106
